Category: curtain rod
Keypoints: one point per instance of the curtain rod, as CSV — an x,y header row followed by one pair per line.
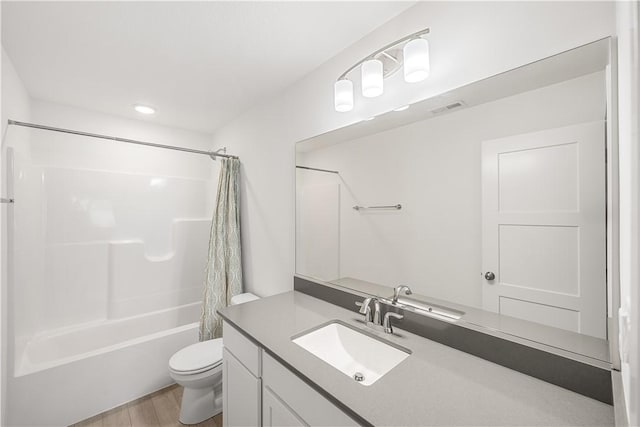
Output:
x,y
212,154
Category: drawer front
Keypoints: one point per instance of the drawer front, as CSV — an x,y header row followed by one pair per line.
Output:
x,y
242,348
307,403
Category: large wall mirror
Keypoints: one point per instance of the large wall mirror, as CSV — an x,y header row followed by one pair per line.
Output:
x,y
489,201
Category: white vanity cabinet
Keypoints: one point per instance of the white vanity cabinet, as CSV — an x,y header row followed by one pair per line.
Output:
x,y
258,390
242,386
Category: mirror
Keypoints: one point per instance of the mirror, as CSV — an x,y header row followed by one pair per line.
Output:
x,y
488,201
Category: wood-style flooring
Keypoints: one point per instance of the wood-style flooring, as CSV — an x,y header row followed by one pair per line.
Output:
x,y
161,408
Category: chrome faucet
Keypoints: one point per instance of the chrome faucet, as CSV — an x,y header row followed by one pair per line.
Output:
x,y
386,324
373,318
365,309
376,312
396,293
370,316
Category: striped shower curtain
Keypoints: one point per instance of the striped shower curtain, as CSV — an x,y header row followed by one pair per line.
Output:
x,y
224,267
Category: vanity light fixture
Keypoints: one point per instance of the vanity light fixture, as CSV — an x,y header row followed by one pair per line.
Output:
x,y
416,60
344,95
410,52
372,78
144,109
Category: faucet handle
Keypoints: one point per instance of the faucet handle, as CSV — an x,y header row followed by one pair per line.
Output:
x,y
364,305
365,309
388,328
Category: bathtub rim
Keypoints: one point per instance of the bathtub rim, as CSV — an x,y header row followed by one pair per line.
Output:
x,y
23,367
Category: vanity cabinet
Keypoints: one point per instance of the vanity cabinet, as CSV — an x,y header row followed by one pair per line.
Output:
x,y
241,393
242,385
259,390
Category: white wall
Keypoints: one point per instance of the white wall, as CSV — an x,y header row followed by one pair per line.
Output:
x,y
433,168
15,99
469,41
628,104
52,114
15,104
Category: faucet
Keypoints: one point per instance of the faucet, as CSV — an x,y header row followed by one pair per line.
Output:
x,y
397,290
376,312
365,309
370,316
386,324
373,317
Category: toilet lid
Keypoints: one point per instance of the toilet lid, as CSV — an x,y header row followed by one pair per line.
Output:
x,y
197,357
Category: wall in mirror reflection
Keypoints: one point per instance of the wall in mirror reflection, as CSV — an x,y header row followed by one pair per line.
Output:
x,y
432,168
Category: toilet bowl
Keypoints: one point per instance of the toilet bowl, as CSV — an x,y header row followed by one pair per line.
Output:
x,y
198,368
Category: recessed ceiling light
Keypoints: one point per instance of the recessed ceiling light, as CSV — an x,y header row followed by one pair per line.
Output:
x,y
402,108
144,109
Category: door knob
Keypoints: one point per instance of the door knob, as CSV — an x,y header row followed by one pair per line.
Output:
x,y
489,275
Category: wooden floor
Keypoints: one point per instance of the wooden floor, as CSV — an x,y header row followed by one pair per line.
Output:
x,y
161,408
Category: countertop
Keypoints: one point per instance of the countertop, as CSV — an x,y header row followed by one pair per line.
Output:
x,y
435,385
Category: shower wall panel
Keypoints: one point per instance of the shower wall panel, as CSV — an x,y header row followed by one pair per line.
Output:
x,y
94,245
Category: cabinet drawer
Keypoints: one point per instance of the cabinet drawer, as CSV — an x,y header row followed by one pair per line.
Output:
x,y
242,348
307,403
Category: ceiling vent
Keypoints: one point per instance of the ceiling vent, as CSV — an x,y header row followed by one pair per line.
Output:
x,y
452,106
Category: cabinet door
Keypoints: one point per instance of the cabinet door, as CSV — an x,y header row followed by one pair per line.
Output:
x,y
241,394
275,413
300,399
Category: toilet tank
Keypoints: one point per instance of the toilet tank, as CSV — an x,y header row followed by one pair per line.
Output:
x,y
242,298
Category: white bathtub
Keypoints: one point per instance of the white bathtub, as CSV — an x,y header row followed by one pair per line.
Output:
x,y
70,374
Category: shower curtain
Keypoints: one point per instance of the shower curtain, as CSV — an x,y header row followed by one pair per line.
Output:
x,y
224,267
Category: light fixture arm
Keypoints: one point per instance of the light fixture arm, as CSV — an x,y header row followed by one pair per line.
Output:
x,y
384,49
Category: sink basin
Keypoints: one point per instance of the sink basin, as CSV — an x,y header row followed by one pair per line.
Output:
x,y
360,356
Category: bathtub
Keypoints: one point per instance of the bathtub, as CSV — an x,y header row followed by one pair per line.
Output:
x,y
70,374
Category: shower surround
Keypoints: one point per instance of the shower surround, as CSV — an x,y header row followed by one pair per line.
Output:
x,y
106,265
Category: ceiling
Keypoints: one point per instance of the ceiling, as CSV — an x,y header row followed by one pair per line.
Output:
x,y
199,64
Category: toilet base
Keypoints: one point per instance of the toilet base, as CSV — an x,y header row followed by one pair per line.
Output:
x,y
199,404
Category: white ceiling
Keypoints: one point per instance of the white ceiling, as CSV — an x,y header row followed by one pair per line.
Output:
x,y
199,63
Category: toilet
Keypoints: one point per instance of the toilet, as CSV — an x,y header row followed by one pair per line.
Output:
x,y
198,368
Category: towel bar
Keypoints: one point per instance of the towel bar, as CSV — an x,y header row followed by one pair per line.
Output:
x,y
397,207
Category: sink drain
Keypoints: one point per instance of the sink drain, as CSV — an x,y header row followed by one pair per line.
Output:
x,y
358,376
